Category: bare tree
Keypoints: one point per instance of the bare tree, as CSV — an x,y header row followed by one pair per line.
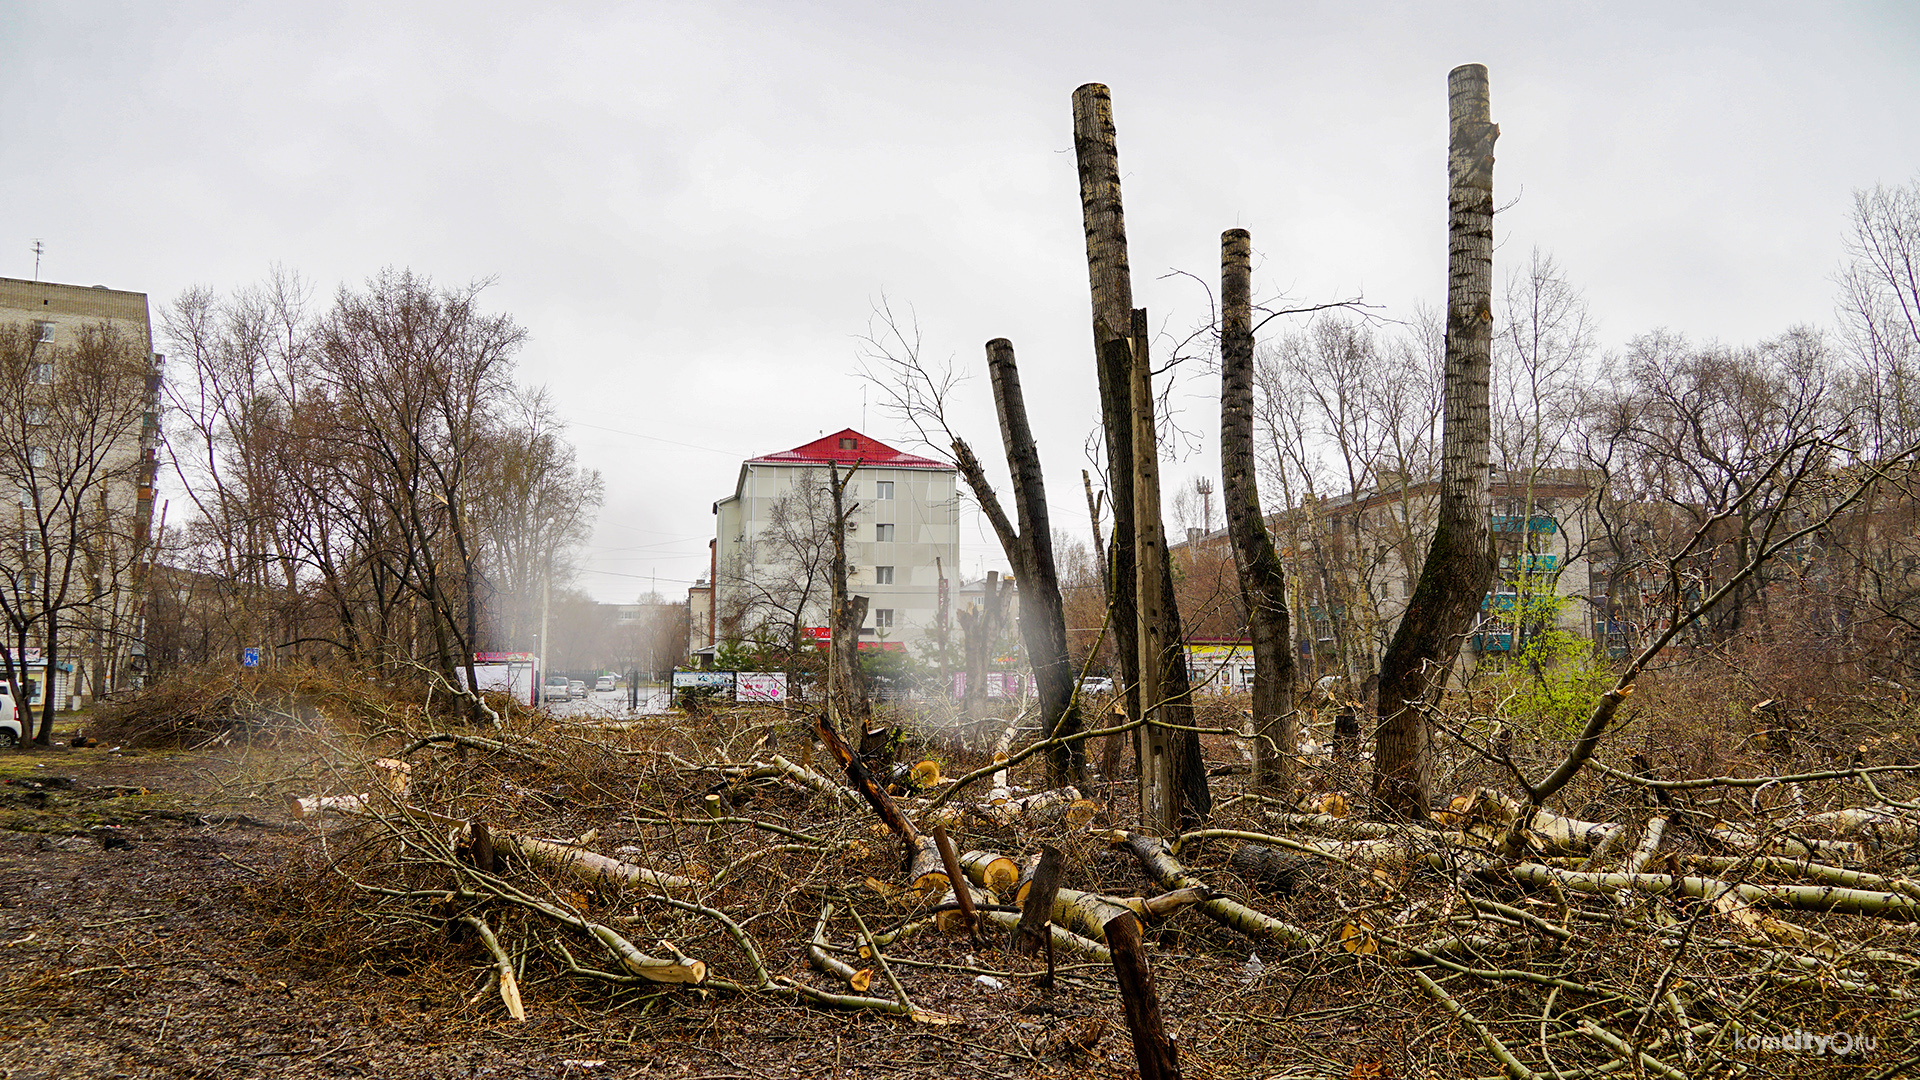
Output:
x,y
70,459
419,374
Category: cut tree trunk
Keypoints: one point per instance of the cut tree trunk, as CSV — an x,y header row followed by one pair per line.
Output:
x,y
1152,1048
1263,581
1036,902
1460,562
1119,341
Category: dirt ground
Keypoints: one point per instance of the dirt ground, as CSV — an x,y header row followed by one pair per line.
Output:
x,y
145,901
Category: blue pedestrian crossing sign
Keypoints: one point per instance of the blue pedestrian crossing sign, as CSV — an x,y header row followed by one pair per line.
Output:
x,y
250,656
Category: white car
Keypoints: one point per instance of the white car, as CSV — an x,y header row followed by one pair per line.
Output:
x,y
605,682
1095,684
555,690
12,728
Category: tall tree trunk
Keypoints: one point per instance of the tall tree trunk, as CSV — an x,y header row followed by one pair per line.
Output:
x,y
51,659
1459,565
1263,582
848,698
977,631
1112,284
1043,620
1173,775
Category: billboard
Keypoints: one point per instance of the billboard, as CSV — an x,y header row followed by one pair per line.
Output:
x,y
760,686
722,680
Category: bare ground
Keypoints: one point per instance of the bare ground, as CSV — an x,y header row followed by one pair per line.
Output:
x,y
150,927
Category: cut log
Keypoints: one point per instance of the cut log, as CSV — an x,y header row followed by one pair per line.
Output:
x,y
960,891
1063,939
857,979
957,915
306,806
586,865
1881,823
678,968
1152,1049
807,778
927,872
1029,866
1158,861
1887,905
992,869
1162,907
1798,847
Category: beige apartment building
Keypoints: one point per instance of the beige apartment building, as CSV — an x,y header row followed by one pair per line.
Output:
x,y
773,542
77,469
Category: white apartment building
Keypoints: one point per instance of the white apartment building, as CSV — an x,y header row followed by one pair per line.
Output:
x,y
773,541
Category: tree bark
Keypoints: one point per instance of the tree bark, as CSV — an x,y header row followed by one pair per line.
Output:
x,y
1263,582
848,700
1152,1048
1120,347
1036,908
1112,286
1043,621
1460,562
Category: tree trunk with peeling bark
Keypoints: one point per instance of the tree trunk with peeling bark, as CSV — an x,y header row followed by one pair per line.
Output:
x,y
1174,791
1460,562
1263,582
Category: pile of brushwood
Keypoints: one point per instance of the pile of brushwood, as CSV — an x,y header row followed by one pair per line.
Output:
x,y
738,865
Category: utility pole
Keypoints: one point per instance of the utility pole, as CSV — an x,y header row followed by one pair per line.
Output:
x,y
546,607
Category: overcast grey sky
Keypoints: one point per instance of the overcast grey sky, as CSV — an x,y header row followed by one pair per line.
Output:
x,y
693,207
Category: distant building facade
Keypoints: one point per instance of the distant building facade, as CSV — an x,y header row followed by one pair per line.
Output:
x,y
774,543
102,618
1352,563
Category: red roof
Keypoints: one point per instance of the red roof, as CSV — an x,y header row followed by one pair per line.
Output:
x,y
847,446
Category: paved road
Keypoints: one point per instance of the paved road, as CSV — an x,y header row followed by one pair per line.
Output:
x,y
613,703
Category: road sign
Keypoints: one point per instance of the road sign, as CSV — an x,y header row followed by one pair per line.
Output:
x,y
250,656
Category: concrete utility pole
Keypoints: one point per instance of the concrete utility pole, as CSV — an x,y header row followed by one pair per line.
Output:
x,y
546,606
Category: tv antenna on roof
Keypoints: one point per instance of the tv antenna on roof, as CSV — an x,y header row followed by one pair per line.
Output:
x,y
38,247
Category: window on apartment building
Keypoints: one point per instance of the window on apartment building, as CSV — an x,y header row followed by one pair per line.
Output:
x,y
43,331
883,489
883,618
883,533
41,373
37,456
37,415
883,575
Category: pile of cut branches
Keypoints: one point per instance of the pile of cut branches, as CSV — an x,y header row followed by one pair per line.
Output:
x,y
1713,926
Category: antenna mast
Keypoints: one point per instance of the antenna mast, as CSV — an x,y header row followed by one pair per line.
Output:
x,y
38,247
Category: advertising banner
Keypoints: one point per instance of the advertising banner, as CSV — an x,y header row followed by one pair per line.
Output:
x,y
760,686
721,679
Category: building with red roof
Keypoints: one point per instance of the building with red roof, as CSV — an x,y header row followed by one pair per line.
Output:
x,y
773,542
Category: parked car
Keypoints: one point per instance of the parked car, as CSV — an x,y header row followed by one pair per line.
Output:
x,y
556,690
577,688
12,729
605,682
1095,684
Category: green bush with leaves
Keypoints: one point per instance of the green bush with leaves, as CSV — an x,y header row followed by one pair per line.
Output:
x,y
1554,680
